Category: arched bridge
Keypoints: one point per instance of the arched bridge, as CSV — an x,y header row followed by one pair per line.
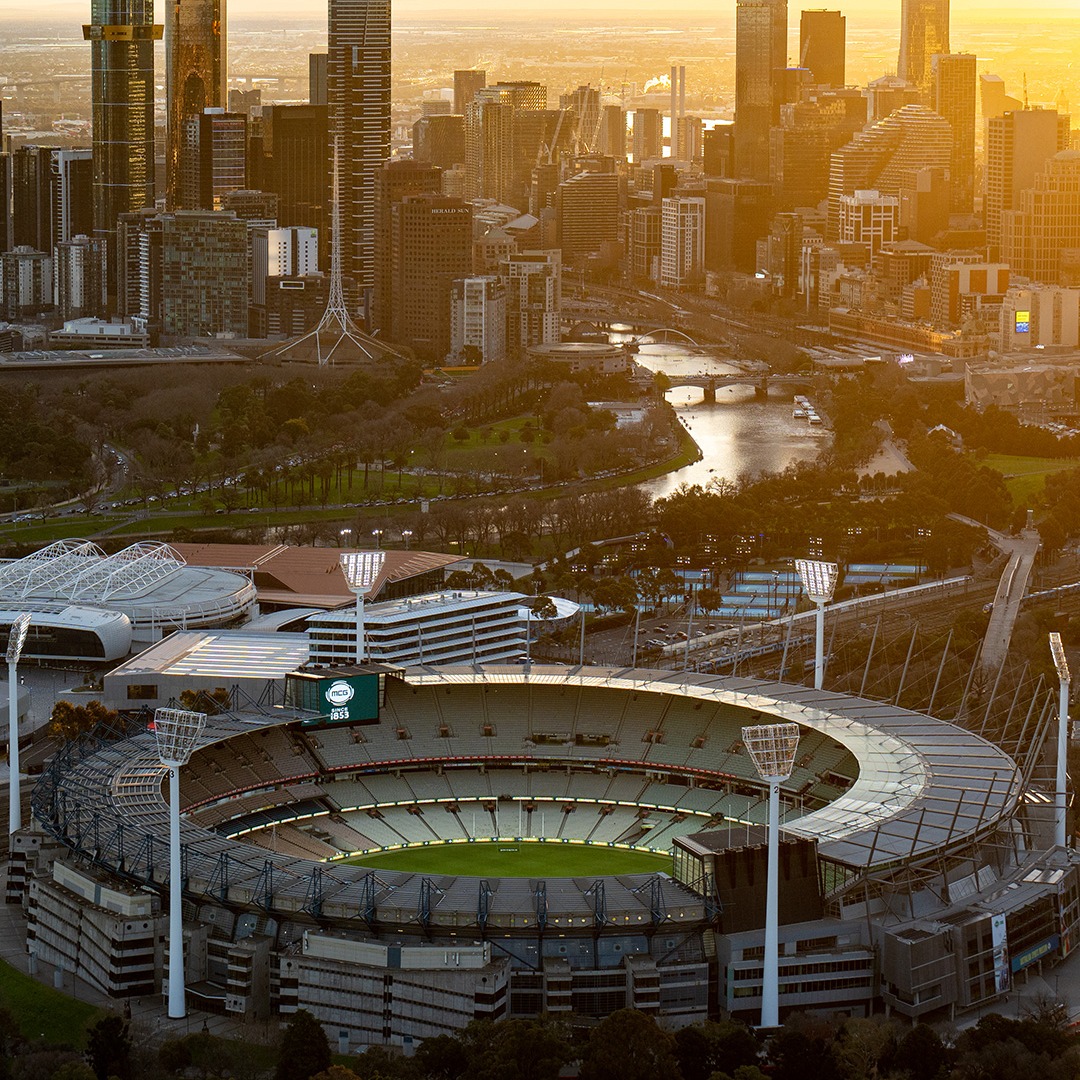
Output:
x,y
759,380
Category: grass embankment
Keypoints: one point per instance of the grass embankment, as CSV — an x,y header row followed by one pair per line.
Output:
x,y
1024,476
516,858
44,1015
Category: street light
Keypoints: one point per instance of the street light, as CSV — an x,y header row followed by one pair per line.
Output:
x,y
406,535
377,533
361,569
343,536
772,749
1060,792
16,640
176,731
819,583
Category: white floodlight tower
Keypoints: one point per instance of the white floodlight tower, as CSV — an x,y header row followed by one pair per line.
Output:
x,y
16,640
361,569
1057,650
819,583
772,749
177,731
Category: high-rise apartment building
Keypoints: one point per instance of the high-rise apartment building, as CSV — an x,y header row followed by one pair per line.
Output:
x,y
648,135
281,253
26,283
588,214
440,140
72,194
196,76
612,140
467,84
31,174
1018,145
79,278
584,102
392,183
953,97
121,35
489,149
533,299
880,157
358,94
760,54
317,78
924,31
1040,238
869,218
823,46
430,247
477,320
682,241
213,159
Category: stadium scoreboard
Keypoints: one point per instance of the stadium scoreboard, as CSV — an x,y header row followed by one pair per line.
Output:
x,y
350,696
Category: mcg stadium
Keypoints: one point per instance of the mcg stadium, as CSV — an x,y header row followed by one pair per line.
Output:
x,y
499,841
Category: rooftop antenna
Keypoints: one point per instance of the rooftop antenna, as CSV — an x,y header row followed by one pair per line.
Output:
x,y
336,322
1025,92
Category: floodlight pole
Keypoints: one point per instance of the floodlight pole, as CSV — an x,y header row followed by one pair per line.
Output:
x,y
1061,796
818,582
359,626
361,569
772,749
16,640
819,645
176,731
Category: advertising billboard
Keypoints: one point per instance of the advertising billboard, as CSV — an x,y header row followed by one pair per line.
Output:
x,y
1022,323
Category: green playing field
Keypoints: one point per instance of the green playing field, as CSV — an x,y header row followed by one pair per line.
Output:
x,y
515,858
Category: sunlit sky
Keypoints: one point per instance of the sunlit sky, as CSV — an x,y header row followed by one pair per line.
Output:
x,y
704,9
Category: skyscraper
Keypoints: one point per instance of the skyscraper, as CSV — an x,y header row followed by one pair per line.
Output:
x,y
822,46
195,75
467,83
954,98
1040,237
924,30
358,94
648,135
122,36
760,54
213,159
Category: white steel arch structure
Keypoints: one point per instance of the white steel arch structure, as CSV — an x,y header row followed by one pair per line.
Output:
x,y
128,571
51,568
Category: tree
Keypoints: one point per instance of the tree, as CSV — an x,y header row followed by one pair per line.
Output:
x,y
108,1048
704,1049
516,1049
442,1057
210,702
69,721
336,1072
921,1054
543,608
629,1045
305,1049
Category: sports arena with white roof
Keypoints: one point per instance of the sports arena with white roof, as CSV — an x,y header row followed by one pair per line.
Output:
x,y
911,861
93,606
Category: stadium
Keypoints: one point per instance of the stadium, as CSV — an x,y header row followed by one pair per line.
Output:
x,y
627,815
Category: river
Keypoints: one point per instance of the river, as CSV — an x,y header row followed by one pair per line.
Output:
x,y
740,434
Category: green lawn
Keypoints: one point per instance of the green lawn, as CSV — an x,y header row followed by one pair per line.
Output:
x,y
514,858
44,1014
1024,476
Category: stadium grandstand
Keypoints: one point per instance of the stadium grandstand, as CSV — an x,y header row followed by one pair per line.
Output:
x,y
911,863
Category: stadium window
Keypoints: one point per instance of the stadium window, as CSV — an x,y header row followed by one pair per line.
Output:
x,y
142,691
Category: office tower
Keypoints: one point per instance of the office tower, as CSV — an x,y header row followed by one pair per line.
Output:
x,y
392,183
213,159
588,214
281,253
682,241
912,138
138,266
31,172
259,209
26,283
718,150
72,193
1018,145
889,93
612,141
316,78
925,203
678,113
292,306
489,150
737,215
800,149
823,45
430,245
490,250
358,93
782,249
196,77
79,278
295,166
953,97
122,36
648,135
1040,237
643,242
467,84
533,299
477,320
868,218
924,30
993,101
760,52
439,140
